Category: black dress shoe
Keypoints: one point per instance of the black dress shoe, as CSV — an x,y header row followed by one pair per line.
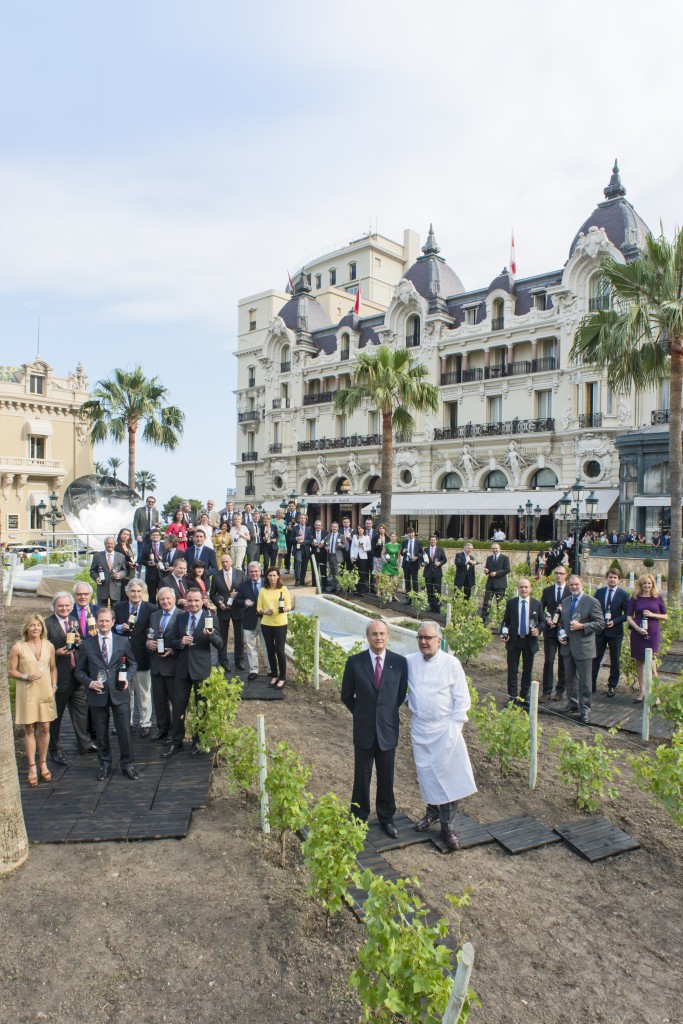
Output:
x,y
424,823
252,675
90,749
610,691
450,839
194,750
102,773
584,719
389,828
130,772
59,758
175,748
144,732
239,665
159,736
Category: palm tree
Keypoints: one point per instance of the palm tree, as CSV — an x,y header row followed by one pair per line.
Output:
x,y
394,386
145,481
13,840
640,341
121,405
114,464
99,468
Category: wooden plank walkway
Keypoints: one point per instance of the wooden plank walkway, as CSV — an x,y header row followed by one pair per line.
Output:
x,y
521,833
617,712
596,838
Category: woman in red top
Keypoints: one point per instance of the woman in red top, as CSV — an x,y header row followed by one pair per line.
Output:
x,y
178,528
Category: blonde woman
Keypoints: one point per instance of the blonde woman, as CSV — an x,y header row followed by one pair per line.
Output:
x,y
32,664
644,612
239,536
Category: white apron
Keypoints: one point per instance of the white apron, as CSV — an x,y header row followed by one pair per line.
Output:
x,y
443,765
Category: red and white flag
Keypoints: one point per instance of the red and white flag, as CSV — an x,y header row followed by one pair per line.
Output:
x,y
291,284
356,307
513,261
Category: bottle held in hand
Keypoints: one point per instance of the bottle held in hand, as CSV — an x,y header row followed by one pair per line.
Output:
x,y
92,625
70,639
644,624
161,643
281,604
122,674
208,623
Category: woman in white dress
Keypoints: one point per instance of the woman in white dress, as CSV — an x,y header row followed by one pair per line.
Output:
x,y
361,549
239,536
207,528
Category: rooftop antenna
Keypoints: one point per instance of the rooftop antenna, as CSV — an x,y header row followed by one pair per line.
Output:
x,y
38,353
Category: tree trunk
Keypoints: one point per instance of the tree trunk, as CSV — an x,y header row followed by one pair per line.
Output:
x,y
675,471
387,463
13,839
132,428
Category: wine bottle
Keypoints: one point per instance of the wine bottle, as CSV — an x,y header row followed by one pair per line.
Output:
x,y
161,646
281,604
132,619
92,625
70,640
122,676
556,616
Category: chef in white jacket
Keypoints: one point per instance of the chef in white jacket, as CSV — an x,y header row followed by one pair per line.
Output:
x,y
439,700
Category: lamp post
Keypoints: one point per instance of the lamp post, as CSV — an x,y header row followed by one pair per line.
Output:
x,y
527,515
54,516
575,517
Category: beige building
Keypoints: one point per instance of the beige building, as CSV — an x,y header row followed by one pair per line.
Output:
x,y
44,445
518,421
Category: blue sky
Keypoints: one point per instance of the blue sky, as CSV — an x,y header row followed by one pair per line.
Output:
x,y
160,160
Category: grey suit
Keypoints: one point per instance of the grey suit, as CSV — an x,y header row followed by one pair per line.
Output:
x,y
579,650
110,590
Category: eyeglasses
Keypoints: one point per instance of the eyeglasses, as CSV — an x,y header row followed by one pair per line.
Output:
x,y
428,639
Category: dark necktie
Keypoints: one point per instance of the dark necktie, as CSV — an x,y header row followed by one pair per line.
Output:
x,y
378,672
193,624
572,606
105,652
608,602
558,595
255,589
522,620
149,519
164,621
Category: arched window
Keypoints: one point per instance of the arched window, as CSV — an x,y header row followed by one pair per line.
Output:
x,y
451,482
599,293
497,315
345,347
285,359
496,481
412,332
312,486
375,484
544,478
343,485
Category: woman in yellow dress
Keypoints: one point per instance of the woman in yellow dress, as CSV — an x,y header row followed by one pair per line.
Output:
x,y
32,664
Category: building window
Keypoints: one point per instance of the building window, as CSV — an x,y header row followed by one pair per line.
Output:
x,y
599,294
341,426
592,469
252,319
285,359
374,423
412,332
310,430
278,483
251,374
345,350
352,271
471,316
544,478
497,315
406,477
250,443
318,280
495,481
37,384
333,276
250,480
352,289
36,447
451,482
450,410
276,432
284,396
494,406
656,479
540,301
35,520
544,405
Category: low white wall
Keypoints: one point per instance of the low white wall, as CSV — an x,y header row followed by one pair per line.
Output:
x,y
347,623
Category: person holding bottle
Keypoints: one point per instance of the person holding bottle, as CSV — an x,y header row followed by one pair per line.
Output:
x,y
519,633
178,528
645,611
580,620
32,664
273,605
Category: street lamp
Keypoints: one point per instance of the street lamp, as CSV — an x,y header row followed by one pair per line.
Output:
x,y
575,517
526,515
54,516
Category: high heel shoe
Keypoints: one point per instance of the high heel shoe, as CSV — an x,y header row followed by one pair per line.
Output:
x,y
32,781
273,683
46,775
280,684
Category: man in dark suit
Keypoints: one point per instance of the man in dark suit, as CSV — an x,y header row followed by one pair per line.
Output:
x,y
290,527
105,666
434,559
162,665
496,570
132,620
464,570
335,557
177,580
411,555
84,610
581,620
200,552
520,632
346,534
317,548
151,560
246,600
145,519
551,600
255,528
374,687
63,634
613,600
223,592
108,570
192,642
169,553
303,535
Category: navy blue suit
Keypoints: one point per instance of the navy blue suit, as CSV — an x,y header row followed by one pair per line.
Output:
x,y
208,557
612,637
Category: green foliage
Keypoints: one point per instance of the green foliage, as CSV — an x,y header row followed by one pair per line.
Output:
x,y
348,579
648,562
466,634
387,586
83,576
301,638
287,797
333,841
662,776
667,700
419,600
627,665
175,501
403,972
241,757
671,630
615,564
590,767
333,658
474,712
212,717
504,734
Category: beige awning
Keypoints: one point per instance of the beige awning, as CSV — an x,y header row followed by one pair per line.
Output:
x,y
652,501
475,503
38,428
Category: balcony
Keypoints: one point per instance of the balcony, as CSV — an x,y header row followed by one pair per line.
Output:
x,y
521,368
249,456
327,443
590,419
413,341
286,367
452,377
280,403
498,323
541,426
251,382
274,449
35,467
659,416
250,489
494,372
320,398
469,375
246,417
547,363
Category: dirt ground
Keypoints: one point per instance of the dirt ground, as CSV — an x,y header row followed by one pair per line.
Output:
x,y
210,929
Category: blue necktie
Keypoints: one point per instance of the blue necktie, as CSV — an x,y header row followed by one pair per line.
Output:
x,y
193,624
255,586
164,621
572,606
522,620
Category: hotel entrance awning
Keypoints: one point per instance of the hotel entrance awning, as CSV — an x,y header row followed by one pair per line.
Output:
x,y
475,503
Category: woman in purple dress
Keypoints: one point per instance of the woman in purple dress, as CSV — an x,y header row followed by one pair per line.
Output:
x,y
645,611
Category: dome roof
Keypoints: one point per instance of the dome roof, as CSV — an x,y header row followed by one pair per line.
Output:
x,y
302,312
625,229
431,270
505,281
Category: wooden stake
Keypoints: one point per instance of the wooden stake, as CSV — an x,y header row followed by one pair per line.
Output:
x,y
316,652
645,731
533,732
316,574
262,771
10,579
461,984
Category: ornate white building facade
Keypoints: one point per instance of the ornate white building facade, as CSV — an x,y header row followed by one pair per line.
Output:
x,y
518,421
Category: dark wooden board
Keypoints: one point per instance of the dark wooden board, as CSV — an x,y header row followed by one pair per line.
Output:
x,y
596,838
260,689
407,836
469,832
521,833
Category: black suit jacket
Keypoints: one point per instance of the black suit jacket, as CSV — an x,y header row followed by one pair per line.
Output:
x,y
464,573
549,606
179,591
208,558
89,663
511,620
154,571
617,608
434,573
375,712
165,666
138,635
57,638
245,592
417,551
193,662
219,592
502,571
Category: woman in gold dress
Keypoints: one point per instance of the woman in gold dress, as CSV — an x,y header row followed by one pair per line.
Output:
x,y
32,664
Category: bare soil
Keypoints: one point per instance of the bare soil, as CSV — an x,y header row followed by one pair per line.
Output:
x,y
210,929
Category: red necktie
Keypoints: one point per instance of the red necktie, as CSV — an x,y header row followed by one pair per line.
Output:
x,y
83,621
378,672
